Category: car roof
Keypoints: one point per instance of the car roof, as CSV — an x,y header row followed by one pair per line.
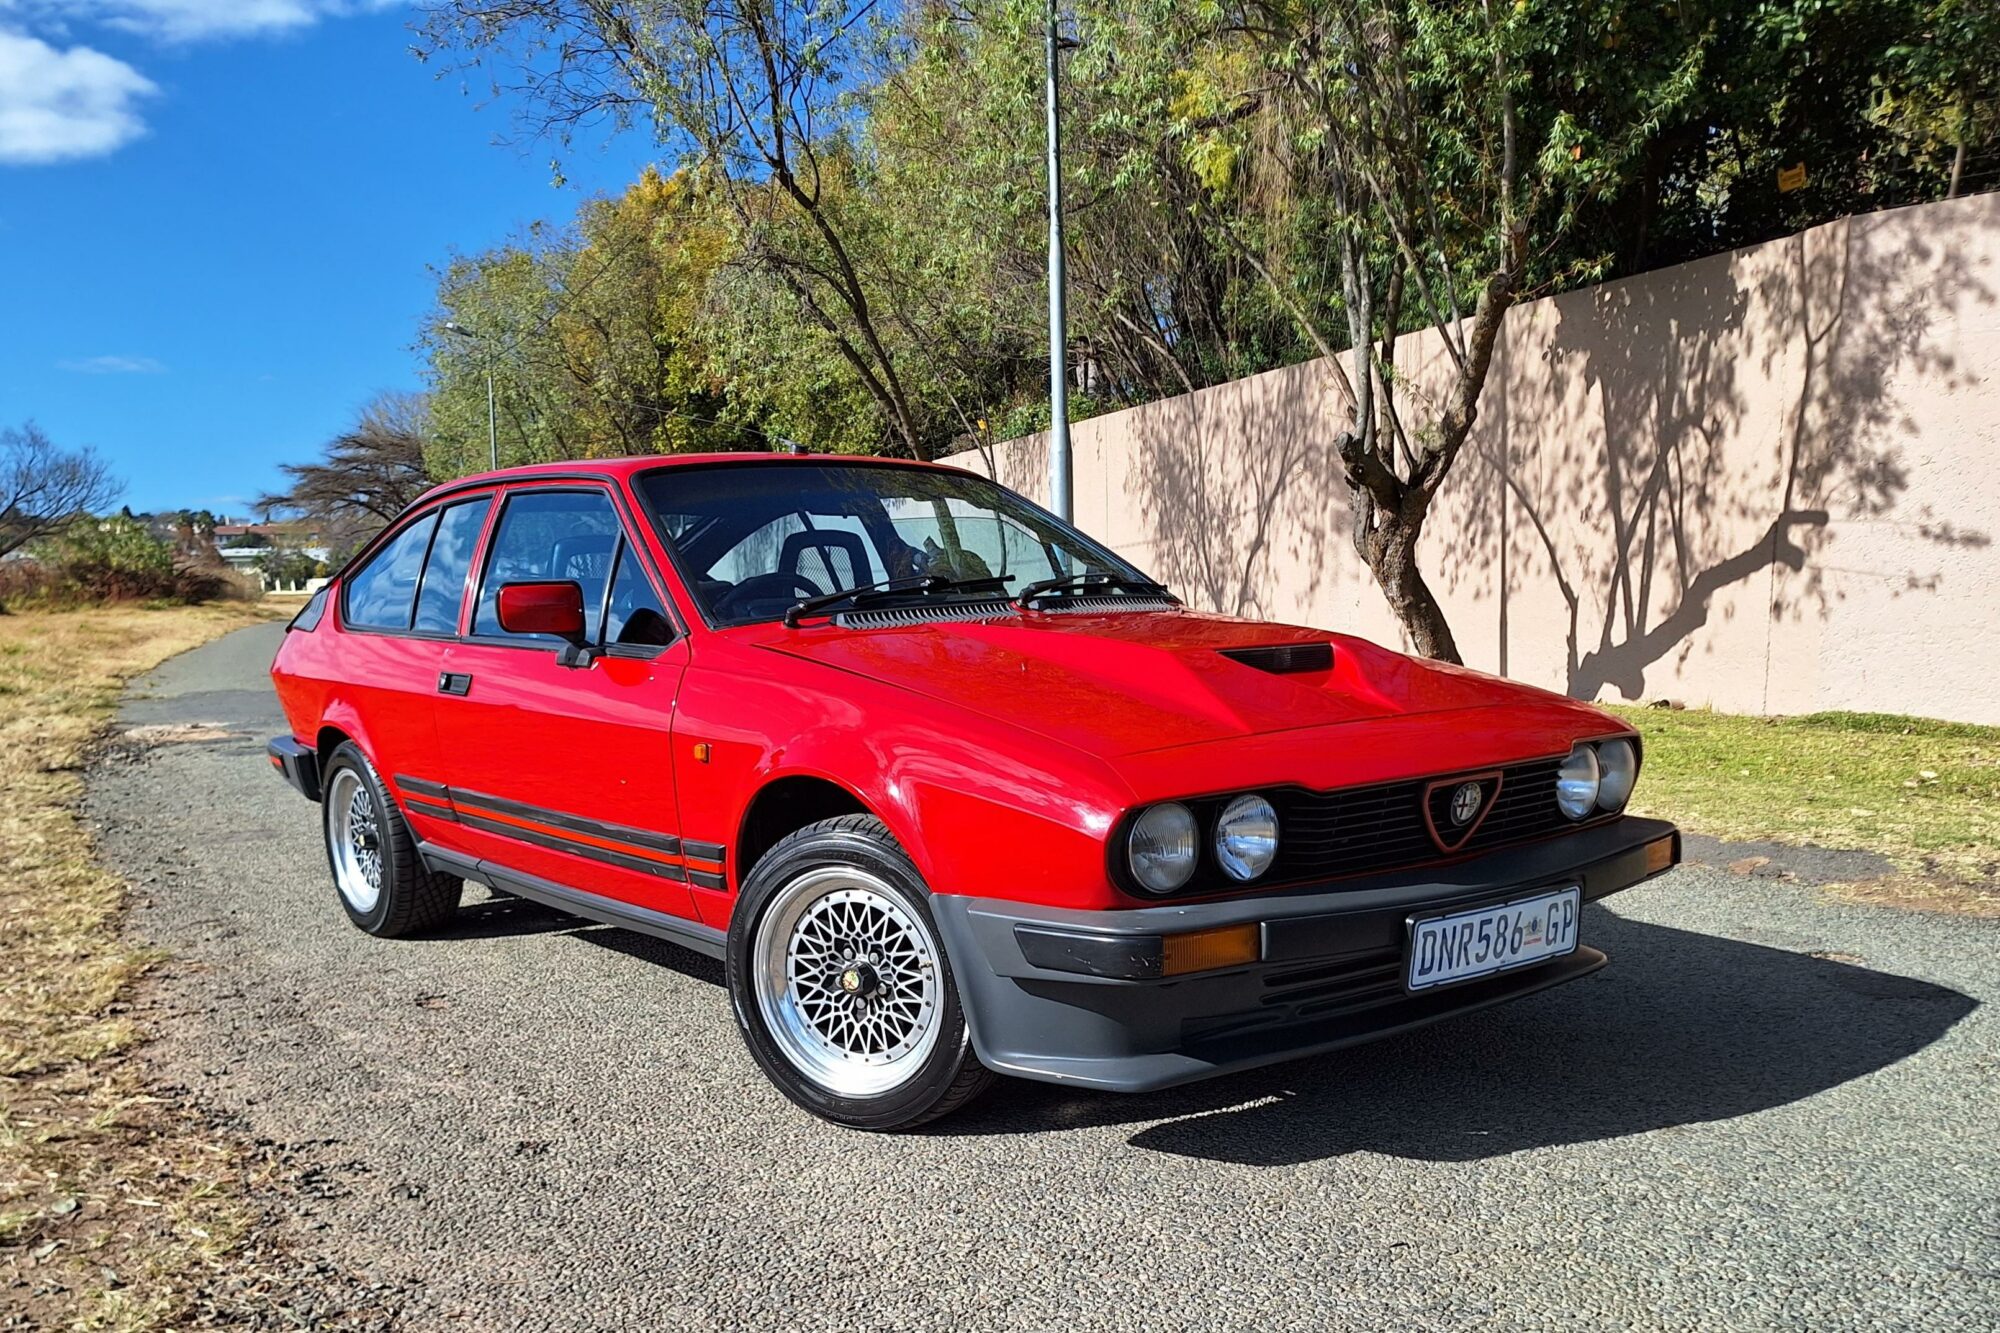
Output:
x,y
624,468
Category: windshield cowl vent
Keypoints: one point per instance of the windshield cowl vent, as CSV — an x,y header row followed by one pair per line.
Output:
x,y
1098,605
986,608
1284,659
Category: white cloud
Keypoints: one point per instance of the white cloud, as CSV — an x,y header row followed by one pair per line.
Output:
x,y
113,365
57,105
193,20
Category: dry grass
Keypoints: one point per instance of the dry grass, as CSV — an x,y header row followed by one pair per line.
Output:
x,y
112,1204
1925,794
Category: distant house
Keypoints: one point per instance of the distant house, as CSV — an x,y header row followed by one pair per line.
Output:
x,y
243,545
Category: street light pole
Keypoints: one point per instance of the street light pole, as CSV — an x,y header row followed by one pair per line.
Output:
x,y
492,429
1061,474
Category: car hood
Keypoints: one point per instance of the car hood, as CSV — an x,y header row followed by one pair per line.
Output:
x,y
1129,683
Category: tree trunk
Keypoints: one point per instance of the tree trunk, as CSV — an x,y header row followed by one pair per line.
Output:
x,y
1391,552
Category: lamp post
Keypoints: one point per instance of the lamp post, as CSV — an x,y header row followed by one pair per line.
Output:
x,y
492,430
1061,475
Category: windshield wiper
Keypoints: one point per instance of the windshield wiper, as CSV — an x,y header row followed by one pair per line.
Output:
x,y
1093,582
862,594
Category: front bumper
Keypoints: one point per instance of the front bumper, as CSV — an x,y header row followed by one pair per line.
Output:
x,y
1330,974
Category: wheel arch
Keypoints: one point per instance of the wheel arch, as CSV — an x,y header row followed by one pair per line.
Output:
x,y
328,739
786,803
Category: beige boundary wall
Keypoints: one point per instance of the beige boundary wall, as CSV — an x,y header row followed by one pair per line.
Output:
x,y
1768,482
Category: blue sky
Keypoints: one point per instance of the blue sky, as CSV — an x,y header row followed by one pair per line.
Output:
x,y
217,219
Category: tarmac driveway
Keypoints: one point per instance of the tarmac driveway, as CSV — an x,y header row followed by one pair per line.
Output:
x,y
1770,1110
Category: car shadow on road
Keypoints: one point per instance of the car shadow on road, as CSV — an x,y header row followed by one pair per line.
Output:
x,y
1681,1029
503,915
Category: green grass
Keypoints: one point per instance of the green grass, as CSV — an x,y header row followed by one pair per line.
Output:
x,y
1924,793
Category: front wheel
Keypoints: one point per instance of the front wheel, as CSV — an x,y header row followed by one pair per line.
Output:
x,y
840,985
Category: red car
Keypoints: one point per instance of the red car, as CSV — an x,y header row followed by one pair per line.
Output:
x,y
953,790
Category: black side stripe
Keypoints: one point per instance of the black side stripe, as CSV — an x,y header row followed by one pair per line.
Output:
x,y
707,879
658,842
431,808
435,791
559,844
703,851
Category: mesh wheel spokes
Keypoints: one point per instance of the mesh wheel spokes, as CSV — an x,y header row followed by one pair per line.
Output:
x,y
861,976
354,837
365,836
848,981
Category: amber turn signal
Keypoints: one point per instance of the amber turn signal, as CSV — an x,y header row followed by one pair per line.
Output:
x,y
1660,855
1206,950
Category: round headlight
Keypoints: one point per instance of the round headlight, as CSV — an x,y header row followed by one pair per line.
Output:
x,y
1161,848
1246,838
1618,769
1576,782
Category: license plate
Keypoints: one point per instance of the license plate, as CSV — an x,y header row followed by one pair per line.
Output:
x,y
1485,940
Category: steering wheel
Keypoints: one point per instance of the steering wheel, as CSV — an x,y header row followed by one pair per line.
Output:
x,y
766,588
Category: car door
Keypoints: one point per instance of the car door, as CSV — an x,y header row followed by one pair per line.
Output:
x,y
398,612
561,769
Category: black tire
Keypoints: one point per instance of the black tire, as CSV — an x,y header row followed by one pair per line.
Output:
x,y
411,897
945,1079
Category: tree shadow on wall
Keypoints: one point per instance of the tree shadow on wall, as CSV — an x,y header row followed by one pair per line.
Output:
x,y
1745,405
1228,478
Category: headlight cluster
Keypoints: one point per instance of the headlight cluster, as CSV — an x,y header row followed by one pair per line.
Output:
x,y
1597,776
1163,848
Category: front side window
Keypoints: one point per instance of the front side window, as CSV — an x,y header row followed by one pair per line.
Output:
x,y
633,616
382,594
754,538
566,534
443,589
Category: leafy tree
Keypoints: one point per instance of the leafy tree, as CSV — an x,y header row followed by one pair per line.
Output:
x,y
45,488
595,335
752,92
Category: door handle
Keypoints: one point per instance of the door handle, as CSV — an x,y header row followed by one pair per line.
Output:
x,y
454,682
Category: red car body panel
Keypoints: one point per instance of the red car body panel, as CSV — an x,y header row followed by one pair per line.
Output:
x,y
1000,753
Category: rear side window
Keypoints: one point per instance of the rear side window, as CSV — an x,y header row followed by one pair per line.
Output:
x,y
383,593
443,589
549,535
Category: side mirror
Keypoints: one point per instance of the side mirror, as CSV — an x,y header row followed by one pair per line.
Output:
x,y
554,607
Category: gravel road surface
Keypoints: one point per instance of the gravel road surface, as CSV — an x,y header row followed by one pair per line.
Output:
x,y
1771,1110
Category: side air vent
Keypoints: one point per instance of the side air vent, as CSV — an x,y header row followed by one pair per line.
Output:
x,y
895,617
1283,659
1094,605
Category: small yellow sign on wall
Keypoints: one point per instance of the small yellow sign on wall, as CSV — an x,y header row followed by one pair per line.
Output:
x,y
1791,178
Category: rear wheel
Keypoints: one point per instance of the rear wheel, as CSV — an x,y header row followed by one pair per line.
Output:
x,y
384,885
840,985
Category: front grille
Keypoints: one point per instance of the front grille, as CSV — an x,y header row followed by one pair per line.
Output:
x,y
1349,983
1361,830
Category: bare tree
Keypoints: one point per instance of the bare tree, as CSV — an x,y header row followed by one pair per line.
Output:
x,y
370,473
43,488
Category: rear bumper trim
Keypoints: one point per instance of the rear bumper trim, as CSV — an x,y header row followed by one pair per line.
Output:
x,y
298,762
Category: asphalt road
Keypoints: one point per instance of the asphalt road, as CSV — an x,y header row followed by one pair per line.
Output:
x,y
1769,1111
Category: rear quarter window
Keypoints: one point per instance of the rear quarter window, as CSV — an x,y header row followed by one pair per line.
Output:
x,y
383,593
443,590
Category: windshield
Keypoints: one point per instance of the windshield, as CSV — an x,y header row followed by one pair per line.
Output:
x,y
753,539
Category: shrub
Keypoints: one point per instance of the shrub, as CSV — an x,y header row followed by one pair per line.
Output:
x,y
111,560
